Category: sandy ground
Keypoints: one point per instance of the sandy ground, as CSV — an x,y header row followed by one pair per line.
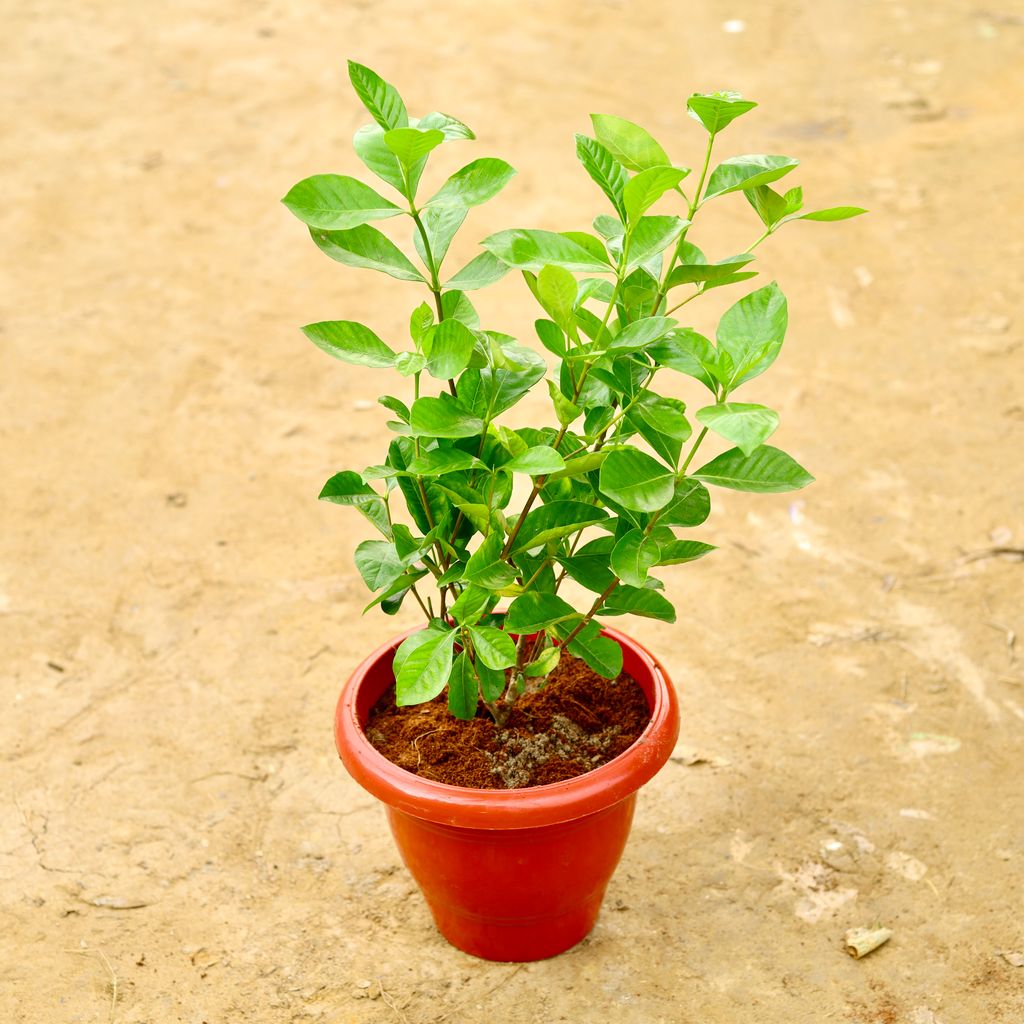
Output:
x,y
177,611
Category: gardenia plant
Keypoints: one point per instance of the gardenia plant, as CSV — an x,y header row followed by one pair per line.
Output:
x,y
613,485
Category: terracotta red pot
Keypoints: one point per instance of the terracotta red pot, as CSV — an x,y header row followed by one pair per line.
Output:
x,y
510,875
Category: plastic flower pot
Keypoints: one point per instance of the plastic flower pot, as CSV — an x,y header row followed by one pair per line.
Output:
x,y
510,875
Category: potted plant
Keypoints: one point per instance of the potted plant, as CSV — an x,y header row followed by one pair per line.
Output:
x,y
487,526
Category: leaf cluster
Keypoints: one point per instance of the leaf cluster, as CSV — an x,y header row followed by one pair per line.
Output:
x,y
612,487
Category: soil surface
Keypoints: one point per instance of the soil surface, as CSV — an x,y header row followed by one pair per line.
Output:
x,y
177,611
577,722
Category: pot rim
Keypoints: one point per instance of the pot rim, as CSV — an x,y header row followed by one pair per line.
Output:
x,y
531,807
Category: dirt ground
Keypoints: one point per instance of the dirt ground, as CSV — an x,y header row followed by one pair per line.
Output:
x,y
177,611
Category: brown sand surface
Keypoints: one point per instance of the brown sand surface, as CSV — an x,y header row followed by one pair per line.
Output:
x,y
177,611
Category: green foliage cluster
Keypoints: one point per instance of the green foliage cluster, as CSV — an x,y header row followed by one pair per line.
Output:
x,y
613,490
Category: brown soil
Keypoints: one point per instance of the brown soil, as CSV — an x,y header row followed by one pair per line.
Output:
x,y
577,722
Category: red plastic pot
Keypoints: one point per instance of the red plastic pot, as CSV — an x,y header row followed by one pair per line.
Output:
x,y
510,875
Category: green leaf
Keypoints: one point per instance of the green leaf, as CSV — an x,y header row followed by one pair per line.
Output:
x,y
390,599
636,481
351,342
766,471
419,321
581,464
408,363
463,689
690,273
653,235
479,272
601,653
751,333
525,249
633,556
439,461
556,291
443,417
647,187
485,566
533,612
411,145
493,647
337,201
441,223
379,98
832,213
649,604
638,335
675,552
556,519
634,147
591,243
347,488
470,605
367,247
453,129
690,504
545,664
378,563
448,347
538,461
744,172
770,206
747,426
474,184
716,110
425,668
662,423
688,352
607,172
589,566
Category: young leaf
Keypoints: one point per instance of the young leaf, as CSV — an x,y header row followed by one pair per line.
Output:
x,y
350,342
601,653
348,488
647,187
410,145
634,147
770,206
485,567
463,689
766,471
369,145
378,563
662,423
425,668
443,417
633,556
651,236
675,552
716,110
545,663
337,201
832,213
751,333
439,461
408,363
565,411
440,224
533,612
556,519
690,273
533,250
556,291
493,647
379,98
452,128
479,272
744,172
538,461
474,184
448,347
470,605
638,335
649,604
367,247
636,481
607,172
747,426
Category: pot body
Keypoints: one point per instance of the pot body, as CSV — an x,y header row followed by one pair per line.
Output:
x,y
510,875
